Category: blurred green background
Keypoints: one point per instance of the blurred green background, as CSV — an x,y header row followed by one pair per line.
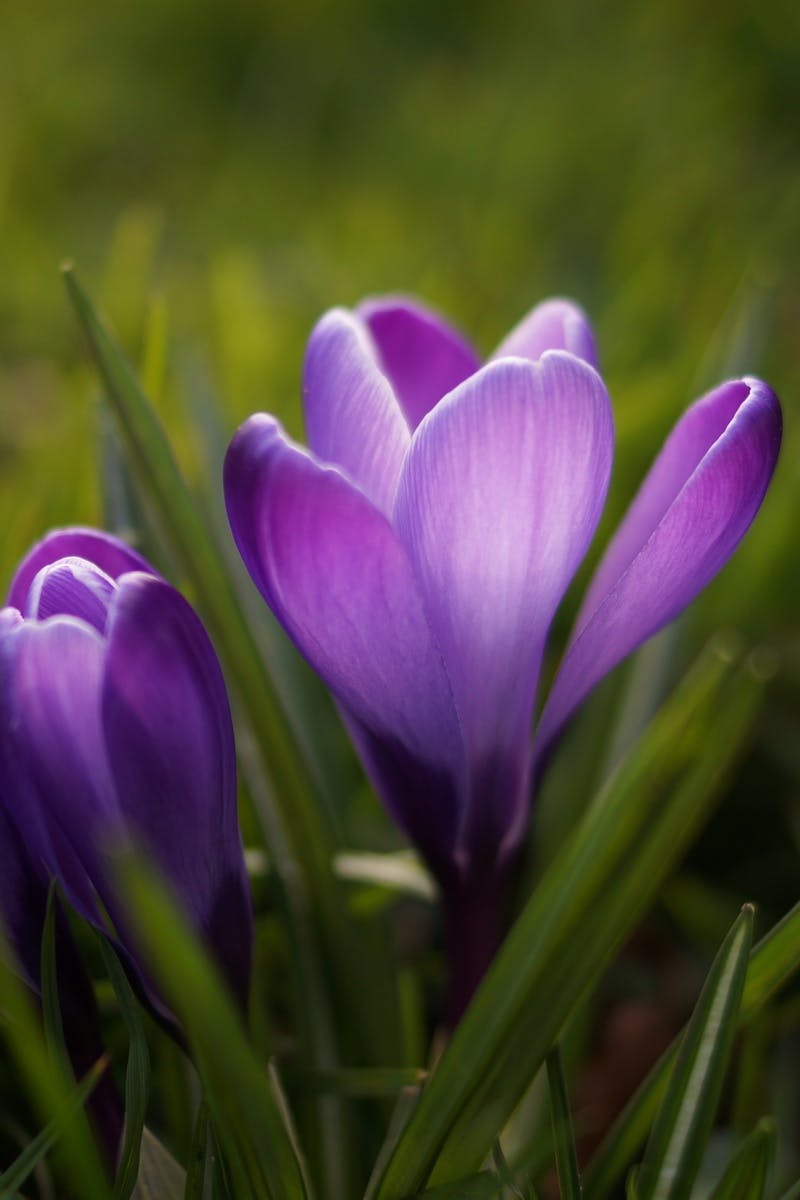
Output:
x,y
224,172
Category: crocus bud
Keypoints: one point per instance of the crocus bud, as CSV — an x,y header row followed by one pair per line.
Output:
x,y
116,734
417,552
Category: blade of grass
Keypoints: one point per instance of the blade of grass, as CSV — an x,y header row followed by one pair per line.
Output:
x,y
600,883
137,1076
12,1179
745,1177
198,1152
774,961
686,1115
49,1083
303,842
569,1179
246,1115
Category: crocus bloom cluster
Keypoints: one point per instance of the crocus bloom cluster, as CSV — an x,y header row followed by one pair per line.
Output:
x,y
416,553
115,732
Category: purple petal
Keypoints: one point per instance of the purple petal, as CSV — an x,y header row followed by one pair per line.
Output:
x,y
696,504
424,357
22,898
329,565
54,756
71,587
498,500
105,551
352,416
552,325
170,745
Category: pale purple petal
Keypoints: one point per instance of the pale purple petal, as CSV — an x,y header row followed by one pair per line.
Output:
x,y
691,513
169,740
107,552
332,570
423,356
353,418
71,587
498,500
552,325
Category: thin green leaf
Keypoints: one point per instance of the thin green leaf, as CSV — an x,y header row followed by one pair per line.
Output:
x,y
471,1187
360,1082
774,961
51,1005
569,1179
14,1176
137,1076
598,886
793,1192
248,1119
198,1153
745,1177
684,1120
301,836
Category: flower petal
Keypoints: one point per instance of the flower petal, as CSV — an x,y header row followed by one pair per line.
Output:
x,y
336,577
498,500
71,587
423,356
352,416
691,512
105,551
552,325
169,739
54,760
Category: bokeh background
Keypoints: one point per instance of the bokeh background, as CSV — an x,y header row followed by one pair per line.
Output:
x,y
222,172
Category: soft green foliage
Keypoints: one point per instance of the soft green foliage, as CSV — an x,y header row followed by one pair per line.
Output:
x,y
222,173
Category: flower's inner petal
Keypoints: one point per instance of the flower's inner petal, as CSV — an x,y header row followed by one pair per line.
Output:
x,y
692,538
424,357
353,418
105,551
56,760
332,570
71,587
552,325
498,500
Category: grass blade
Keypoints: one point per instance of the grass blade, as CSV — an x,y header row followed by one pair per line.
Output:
x,y
14,1176
137,1076
745,1177
569,1179
774,961
684,1120
250,1122
198,1153
598,886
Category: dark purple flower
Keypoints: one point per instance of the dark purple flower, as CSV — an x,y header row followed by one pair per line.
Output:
x,y
115,731
417,553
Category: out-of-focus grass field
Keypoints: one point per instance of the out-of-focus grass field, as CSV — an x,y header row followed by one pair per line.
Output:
x,y
222,173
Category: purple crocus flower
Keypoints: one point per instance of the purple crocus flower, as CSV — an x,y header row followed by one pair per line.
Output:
x,y
115,731
417,552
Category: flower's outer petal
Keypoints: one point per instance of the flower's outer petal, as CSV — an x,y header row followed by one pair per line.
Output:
x,y
691,512
551,325
71,587
102,549
424,357
22,896
498,500
352,416
169,739
331,568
